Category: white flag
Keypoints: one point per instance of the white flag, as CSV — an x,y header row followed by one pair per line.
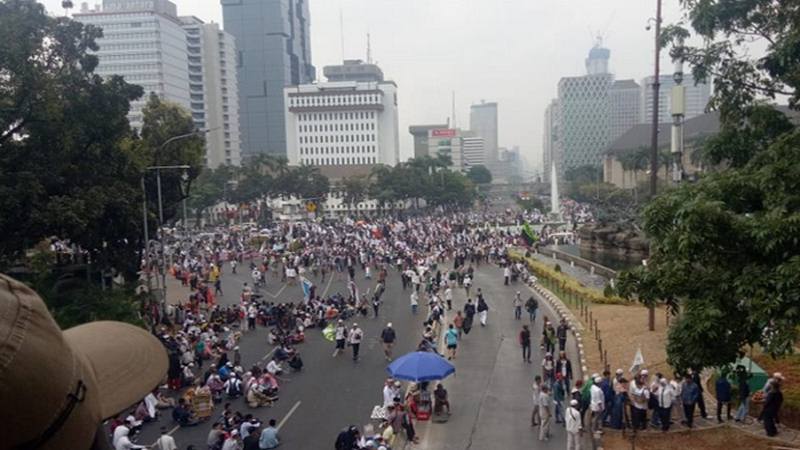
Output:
x,y
638,361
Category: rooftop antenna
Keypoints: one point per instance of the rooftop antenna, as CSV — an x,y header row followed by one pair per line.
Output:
x,y
369,49
67,5
454,110
341,28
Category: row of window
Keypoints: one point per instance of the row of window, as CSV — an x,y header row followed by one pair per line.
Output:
x,y
362,126
130,36
122,68
130,56
336,116
334,100
128,25
128,46
337,150
337,138
339,161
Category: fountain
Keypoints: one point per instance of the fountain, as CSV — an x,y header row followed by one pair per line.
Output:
x,y
555,201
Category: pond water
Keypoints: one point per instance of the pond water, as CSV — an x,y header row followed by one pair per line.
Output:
x,y
604,259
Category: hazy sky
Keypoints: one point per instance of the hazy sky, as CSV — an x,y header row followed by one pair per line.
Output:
x,y
509,51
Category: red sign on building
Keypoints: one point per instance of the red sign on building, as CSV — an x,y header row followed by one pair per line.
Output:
x,y
443,133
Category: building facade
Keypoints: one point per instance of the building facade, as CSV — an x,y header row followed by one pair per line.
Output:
x,y
214,90
144,42
584,119
421,135
274,51
342,123
624,107
483,122
697,98
472,148
447,142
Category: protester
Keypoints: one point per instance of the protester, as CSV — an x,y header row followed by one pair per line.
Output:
x,y
573,426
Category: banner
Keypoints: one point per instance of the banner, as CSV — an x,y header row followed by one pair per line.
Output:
x,y
306,284
528,234
638,362
329,333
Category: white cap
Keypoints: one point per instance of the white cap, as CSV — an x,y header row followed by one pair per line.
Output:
x,y
598,379
573,402
620,372
389,324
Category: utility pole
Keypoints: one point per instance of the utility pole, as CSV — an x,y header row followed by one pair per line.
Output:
x,y
651,313
678,104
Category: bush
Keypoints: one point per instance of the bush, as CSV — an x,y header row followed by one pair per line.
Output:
x,y
567,283
608,291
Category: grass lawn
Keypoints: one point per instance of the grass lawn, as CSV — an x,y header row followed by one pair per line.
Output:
x,y
714,439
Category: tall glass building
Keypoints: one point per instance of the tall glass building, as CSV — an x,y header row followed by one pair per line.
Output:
x,y
274,51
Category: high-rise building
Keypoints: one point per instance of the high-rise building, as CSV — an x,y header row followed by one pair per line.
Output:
x,y
274,51
624,104
483,122
353,70
421,135
343,123
551,145
584,119
144,42
213,89
697,97
473,150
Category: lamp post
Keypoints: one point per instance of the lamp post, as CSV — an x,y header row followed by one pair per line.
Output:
x,y
656,86
678,115
158,170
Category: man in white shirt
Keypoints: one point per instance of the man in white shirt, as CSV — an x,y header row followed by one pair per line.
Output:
x,y
666,397
572,418
597,405
545,413
341,337
274,368
165,442
355,340
537,389
448,297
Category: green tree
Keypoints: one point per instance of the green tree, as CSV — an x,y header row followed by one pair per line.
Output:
x,y
724,251
354,190
68,167
479,174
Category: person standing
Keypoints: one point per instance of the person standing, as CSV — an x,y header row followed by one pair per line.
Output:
x,y
701,402
640,395
597,405
564,368
448,297
388,337
451,339
689,394
537,389
573,424
742,377
723,388
772,407
458,321
355,337
525,342
506,275
414,301
558,398
545,413
517,306
665,396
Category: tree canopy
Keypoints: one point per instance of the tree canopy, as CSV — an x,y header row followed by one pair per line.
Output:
x,y
479,174
724,251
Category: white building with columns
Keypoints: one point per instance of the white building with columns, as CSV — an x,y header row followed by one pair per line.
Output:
x,y
342,123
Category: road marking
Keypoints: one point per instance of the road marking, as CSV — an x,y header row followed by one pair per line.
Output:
x,y
289,414
278,293
169,433
325,292
269,354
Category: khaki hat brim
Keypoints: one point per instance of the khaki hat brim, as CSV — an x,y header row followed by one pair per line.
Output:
x,y
127,361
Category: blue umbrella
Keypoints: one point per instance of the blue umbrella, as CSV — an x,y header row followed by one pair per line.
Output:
x,y
420,366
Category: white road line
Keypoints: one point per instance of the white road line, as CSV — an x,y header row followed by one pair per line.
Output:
x,y
169,433
325,292
269,354
289,414
278,293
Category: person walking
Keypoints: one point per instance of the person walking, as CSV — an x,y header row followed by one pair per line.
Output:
x,y
165,442
545,413
742,377
451,340
388,337
517,306
340,334
525,342
469,315
414,302
723,391
573,424
531,306
355,337
506,275
448,297
458,321
772,407
701,402
564,368
561,334
483,309
689,394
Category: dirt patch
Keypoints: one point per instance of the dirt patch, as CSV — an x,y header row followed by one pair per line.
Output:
x,y
723,438
789,367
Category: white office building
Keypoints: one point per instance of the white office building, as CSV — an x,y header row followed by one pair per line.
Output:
x,y
483,122
697,98
472,148
447,142
551,153
144,42
342,123
213,89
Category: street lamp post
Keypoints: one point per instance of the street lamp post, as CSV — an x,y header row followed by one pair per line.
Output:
x,y
656,86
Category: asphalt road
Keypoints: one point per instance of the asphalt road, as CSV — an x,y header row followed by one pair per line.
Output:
x,y
490,392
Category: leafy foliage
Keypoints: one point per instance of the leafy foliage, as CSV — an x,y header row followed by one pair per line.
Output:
x,y
479,174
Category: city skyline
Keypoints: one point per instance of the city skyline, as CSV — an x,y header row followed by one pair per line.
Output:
x,y
515,61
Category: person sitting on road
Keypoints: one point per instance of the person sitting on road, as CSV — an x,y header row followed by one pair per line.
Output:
x,y
274,367
440,399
